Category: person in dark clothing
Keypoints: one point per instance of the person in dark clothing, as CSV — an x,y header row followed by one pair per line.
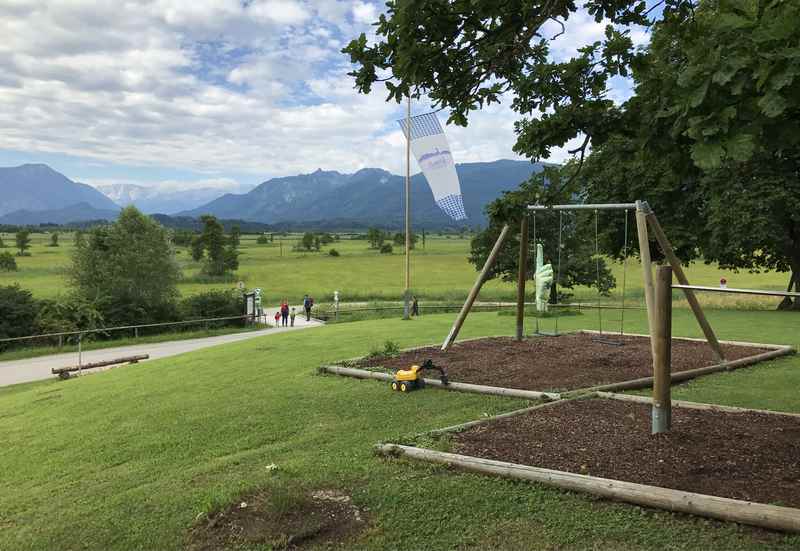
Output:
x,y
285,312
414,306
308,303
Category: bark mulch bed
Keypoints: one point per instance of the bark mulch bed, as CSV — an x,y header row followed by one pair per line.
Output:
x,y
749,456
568,362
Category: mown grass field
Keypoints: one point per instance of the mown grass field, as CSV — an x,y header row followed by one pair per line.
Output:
x,y
132,458
440,272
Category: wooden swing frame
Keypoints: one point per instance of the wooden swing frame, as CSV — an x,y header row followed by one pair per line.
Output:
x,y
645,217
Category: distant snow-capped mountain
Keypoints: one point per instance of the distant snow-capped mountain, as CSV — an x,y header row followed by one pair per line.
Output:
x,y
164,199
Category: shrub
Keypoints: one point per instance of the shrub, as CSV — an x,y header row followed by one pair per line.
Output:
x,y
212,304
332,252
68,313
7,262
386,248
262,239
19,312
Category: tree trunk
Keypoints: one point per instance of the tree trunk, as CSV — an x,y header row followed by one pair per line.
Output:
x,y
787,303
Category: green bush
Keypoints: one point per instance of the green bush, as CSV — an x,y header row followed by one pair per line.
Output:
x,y
332,252
262,239
213,304
386,248
68,313
19,312
7,262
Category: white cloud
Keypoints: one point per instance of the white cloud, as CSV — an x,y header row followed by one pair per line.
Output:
x,y
207,85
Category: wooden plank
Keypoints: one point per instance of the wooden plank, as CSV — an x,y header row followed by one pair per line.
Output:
x,y
690,405
772,517
522,276
647,266
672,258
679,376
460,387
128,359
662,352
473,293
694,339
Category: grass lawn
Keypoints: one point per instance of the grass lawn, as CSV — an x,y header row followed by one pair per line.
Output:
x,y
439,272
130,458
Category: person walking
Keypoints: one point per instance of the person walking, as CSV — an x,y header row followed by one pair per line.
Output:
x,y
292,315
308,302
285,312
414,306
277,318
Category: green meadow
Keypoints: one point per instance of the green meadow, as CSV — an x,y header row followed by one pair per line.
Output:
x,y
440,272
133,458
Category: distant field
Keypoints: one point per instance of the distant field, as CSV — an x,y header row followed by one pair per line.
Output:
x,y
440,272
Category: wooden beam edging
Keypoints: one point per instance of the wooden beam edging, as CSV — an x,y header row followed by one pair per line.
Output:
x,y
773,517
469,424
679,376
458,387
695,339
691,405
104,363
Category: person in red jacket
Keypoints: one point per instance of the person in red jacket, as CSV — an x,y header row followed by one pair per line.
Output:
x,y
277,318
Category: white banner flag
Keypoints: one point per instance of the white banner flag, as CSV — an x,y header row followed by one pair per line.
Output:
x,y
430,148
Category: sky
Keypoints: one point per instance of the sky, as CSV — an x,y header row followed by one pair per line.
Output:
x,y
212,93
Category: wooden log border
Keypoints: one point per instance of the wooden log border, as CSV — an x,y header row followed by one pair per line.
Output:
x,y
775,351
773,517
458,387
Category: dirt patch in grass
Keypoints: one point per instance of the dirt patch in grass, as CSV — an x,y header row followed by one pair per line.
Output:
x,y
748,456
282,519
568,362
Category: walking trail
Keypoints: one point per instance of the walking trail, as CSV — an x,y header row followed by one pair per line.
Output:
x,y
37,369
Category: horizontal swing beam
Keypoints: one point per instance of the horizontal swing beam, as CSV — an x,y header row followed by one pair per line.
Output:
x,y
738,291
598,206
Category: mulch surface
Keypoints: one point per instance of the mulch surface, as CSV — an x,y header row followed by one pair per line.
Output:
x,y
748,456
568,362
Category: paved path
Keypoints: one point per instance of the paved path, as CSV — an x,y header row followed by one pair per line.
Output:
x,y
36,369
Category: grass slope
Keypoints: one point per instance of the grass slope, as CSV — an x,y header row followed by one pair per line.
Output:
x,y
130,458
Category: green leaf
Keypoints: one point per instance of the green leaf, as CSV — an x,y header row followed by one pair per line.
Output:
x,y
741,147
772,104
698,94
707,155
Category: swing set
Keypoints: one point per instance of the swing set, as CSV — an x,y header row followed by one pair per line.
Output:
x,y
645,219
556,282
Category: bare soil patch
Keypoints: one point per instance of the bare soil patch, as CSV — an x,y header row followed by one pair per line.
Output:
x,y
283,519
568,362
748,456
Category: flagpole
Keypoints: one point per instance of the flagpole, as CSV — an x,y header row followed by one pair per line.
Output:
x,y
407,293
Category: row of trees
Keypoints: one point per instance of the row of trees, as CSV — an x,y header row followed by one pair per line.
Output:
x,y
708,137
377,238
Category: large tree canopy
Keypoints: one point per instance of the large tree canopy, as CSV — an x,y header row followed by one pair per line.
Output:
x,y
128,269
709,137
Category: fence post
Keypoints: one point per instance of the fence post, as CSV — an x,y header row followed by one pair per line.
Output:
x,y
662,351
80,363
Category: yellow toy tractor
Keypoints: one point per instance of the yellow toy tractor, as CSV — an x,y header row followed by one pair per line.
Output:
x,y
406,380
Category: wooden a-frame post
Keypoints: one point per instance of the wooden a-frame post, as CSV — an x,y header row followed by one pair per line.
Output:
x,y
473,293
522,276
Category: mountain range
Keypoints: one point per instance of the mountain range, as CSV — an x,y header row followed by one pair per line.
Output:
x,y
37,187
37,194
371,196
